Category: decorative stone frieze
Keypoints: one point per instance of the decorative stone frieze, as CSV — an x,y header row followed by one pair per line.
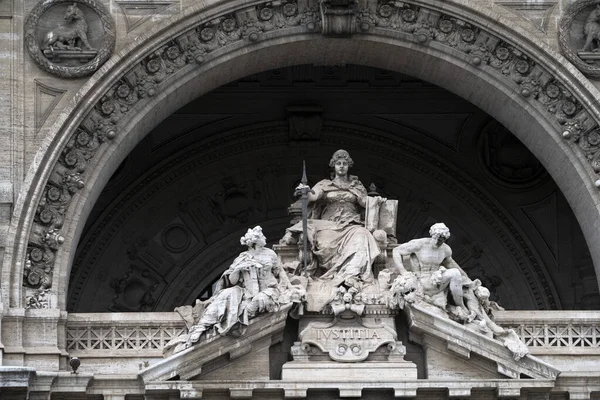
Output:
x,y
69,38
456,36
579,36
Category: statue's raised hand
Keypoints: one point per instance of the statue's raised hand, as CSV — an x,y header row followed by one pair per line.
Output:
x,y
301,189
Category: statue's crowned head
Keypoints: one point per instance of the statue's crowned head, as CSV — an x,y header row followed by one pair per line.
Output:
x,y
439,231
341,155
253,237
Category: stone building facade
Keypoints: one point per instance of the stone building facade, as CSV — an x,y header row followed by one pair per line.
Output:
x,y
141,138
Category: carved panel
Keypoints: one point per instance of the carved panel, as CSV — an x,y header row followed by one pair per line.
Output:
x,y
138,12
46,98
116,339
553,335
537,13
134,291
69,38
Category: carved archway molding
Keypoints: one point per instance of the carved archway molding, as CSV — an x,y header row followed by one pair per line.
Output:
x,y
456,44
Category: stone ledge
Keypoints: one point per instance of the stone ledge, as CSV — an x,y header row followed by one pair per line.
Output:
x,y
124,319
404,388
331,371
543,317
16,377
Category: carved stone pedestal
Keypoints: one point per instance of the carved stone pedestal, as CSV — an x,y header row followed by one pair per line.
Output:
x,y
350,346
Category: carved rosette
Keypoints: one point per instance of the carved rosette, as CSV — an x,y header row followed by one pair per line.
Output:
x,y
579,36
70,38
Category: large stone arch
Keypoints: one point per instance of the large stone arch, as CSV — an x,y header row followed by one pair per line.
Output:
x,y
480,56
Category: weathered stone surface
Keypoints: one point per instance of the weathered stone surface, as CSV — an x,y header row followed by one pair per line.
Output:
x,y
242,33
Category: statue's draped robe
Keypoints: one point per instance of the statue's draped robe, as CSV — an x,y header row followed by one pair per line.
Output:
x,y
336,232
246,289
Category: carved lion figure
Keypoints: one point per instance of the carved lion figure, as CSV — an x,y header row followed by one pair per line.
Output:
x,y
71,34
591,29
406,289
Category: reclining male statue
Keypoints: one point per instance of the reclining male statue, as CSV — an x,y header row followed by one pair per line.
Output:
x,y
428,273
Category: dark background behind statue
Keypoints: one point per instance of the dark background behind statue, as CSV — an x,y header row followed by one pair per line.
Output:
x,y
168,222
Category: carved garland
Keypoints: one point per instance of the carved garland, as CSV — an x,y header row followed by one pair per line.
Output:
x,y
334,136
104,51
381,17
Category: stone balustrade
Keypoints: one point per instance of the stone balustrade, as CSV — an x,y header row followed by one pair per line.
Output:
x,y
132,342
121,334
145,334
555,332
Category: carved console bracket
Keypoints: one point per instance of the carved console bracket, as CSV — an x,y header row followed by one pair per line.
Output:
x,y
339,17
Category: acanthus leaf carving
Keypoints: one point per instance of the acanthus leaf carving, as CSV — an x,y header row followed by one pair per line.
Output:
x,y
39,299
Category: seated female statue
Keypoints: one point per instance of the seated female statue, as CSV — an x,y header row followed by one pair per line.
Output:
x,y
343,249
255,283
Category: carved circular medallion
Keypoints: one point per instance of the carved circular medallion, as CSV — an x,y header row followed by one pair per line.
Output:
x,y
510,164
69,38
176,238
579,36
